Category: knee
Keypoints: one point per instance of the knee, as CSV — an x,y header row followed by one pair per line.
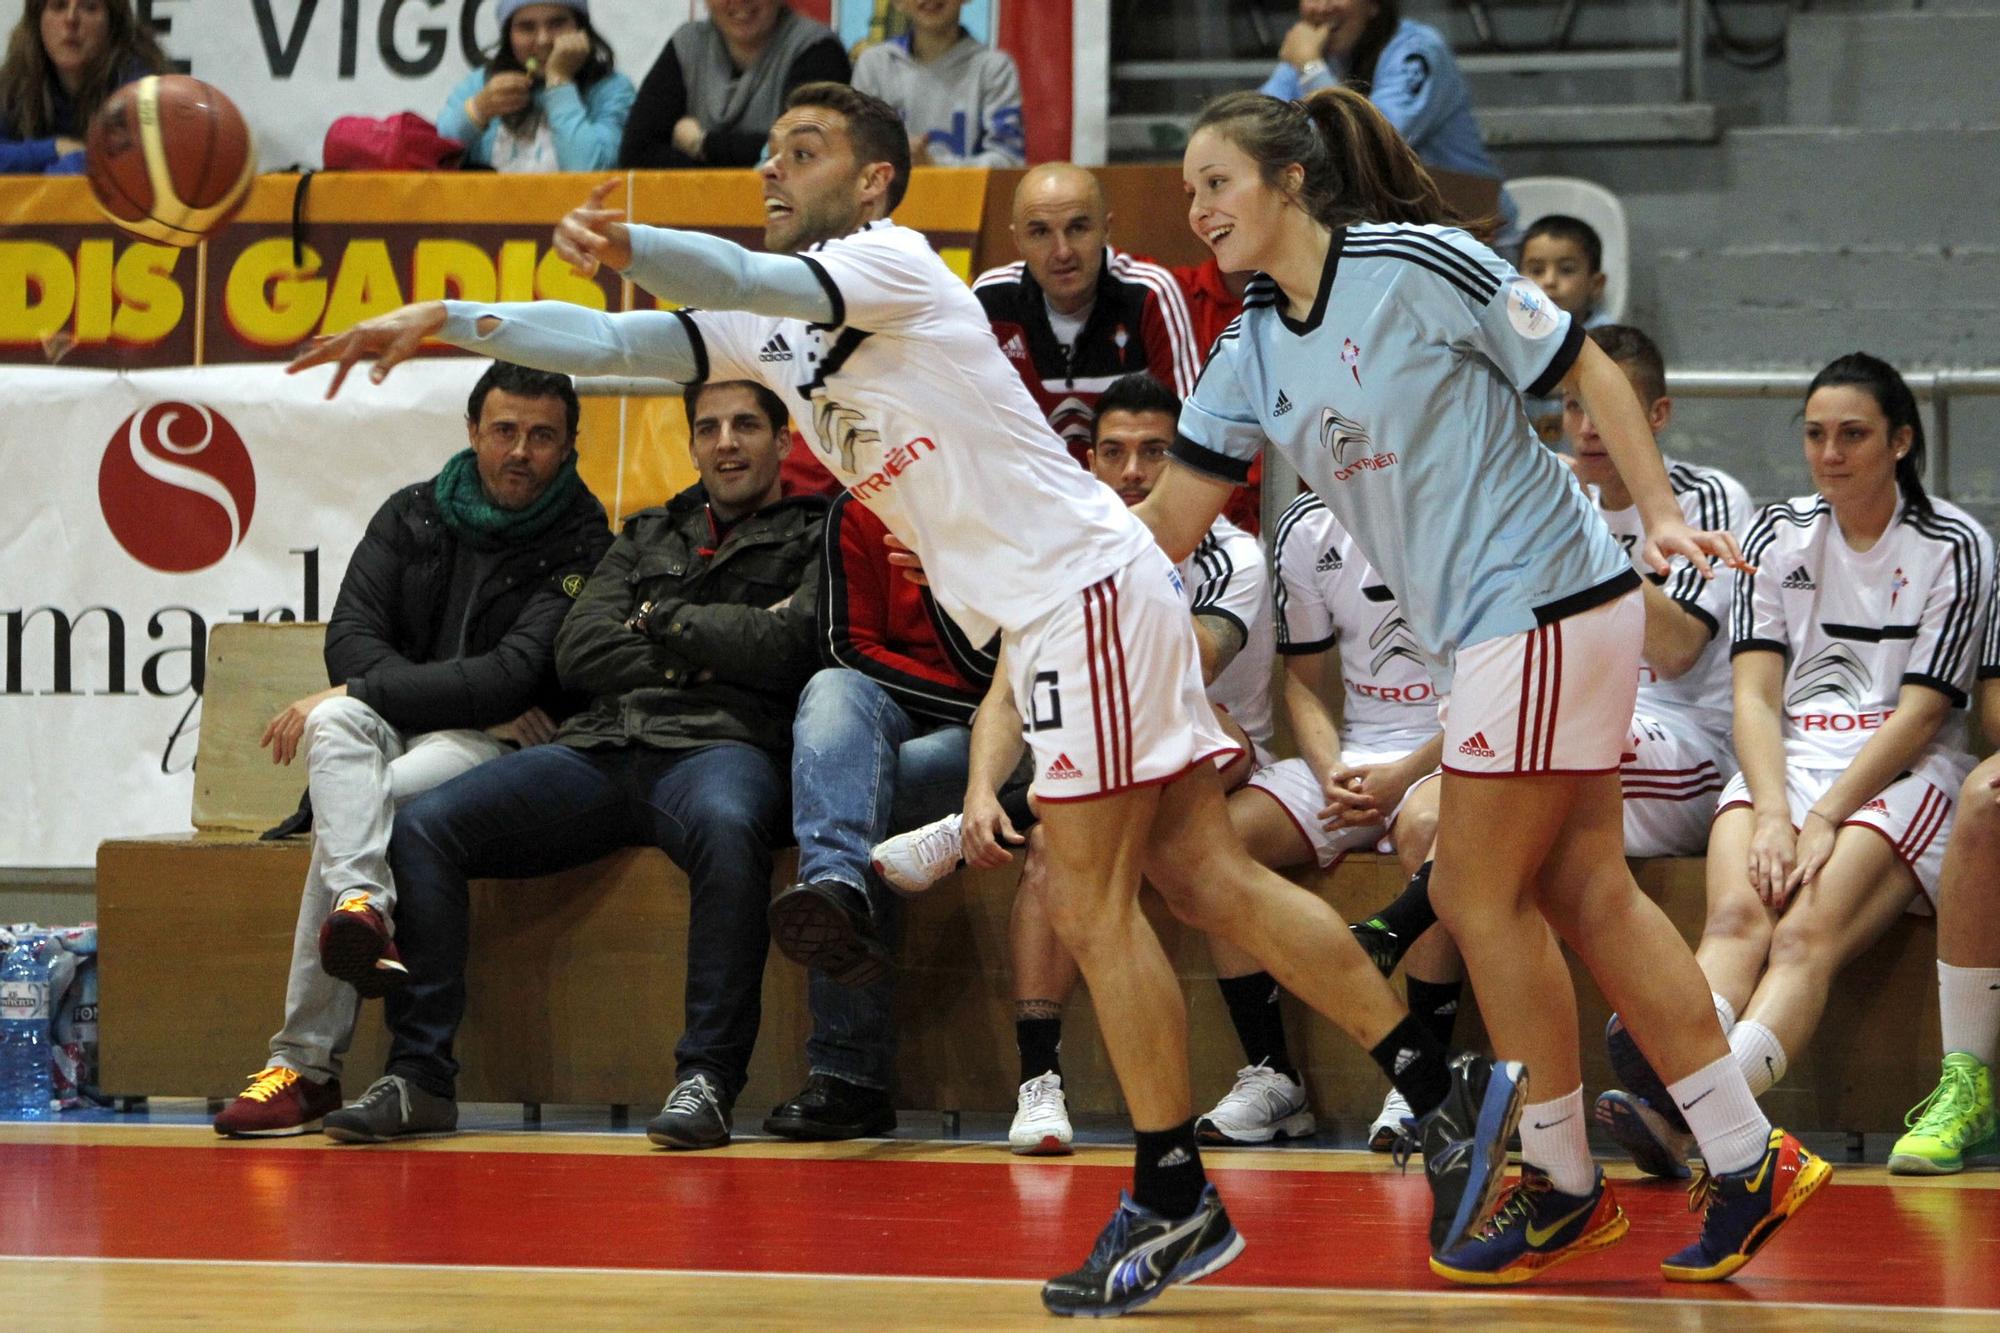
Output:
x,y
1797,943
1416,831
1738,917
1978,814
339,715
834,692
1200,891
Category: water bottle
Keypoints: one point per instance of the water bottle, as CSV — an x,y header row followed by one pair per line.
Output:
x,y
26,1079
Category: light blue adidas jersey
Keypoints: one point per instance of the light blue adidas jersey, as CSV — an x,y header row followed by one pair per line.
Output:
x,y
1398,399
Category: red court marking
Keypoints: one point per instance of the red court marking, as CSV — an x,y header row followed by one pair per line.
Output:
x,y
1856,1244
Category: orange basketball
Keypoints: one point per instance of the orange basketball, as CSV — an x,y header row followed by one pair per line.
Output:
x,y
169,158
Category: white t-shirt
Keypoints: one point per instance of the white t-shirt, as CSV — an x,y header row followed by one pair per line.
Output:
x,y
1856,626
1328,595
910,403
1712,501
1228,576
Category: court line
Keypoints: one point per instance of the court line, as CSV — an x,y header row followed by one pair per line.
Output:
x,y
1375,1293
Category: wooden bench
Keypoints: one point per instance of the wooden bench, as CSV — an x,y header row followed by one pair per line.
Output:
x,y
575,980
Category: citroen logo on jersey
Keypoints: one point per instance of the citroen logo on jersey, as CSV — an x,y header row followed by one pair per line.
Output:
x,y
841,431
1338,434
1393,639
1834,671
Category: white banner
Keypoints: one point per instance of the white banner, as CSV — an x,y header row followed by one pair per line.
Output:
x,y
139,510
293,66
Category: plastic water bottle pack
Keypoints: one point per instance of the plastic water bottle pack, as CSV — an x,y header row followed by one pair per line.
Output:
x,y
27,1082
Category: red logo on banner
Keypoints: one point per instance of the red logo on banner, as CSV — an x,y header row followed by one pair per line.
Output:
x,y
177,487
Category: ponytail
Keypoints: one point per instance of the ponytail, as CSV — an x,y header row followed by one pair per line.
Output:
x,y
1892,394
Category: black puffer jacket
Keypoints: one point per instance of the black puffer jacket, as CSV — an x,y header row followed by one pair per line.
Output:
x,y
385,622
729,642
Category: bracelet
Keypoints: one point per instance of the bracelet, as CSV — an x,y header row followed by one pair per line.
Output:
x,y
1312,69
1830,820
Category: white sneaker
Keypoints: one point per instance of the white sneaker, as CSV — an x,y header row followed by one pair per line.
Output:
x,y
1264,1105
912,862
1041,1119
1388,1126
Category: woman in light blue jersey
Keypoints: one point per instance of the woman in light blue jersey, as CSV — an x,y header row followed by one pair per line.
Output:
x,y
1386,356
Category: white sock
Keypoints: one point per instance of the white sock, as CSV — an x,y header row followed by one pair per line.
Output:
x,y
1552,1138
1969,1010
1758,1055
1724,1010
1716,1100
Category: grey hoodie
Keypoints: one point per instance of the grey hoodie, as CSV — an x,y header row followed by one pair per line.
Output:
x,y
966,104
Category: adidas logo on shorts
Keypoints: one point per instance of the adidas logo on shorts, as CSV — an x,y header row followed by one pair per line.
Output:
x,y
1062,768
775,350
1284,405
1329,561
1476,746
1801,579
1878,805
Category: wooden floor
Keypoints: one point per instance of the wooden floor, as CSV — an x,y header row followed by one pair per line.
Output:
x,y
111,1226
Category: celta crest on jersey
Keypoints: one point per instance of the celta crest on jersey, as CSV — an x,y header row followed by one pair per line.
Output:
x,y
1833,670
1337,434
1350,356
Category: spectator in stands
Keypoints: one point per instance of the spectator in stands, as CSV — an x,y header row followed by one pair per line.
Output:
x,y
1072,313
1213,299
879,745
1405,67
960,99
693,640
711,97
1956,1121
64,59
442,653
1855,638
1564,256
547,98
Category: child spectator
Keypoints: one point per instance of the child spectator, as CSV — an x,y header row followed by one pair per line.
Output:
x,y
710,98
1564,256
960,99
63,60
547,98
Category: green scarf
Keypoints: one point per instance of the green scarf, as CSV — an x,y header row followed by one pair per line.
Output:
x,y
485,526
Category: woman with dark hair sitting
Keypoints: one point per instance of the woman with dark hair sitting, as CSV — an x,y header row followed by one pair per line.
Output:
x,y
64,59
547,99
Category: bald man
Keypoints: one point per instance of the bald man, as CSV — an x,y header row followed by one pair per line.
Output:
x,y
1074,314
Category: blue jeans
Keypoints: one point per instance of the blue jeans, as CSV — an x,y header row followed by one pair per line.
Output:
x,y
717,811
863,768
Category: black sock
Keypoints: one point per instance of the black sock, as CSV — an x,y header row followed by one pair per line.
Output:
x,y
1414,1060
1040,1042
1435,1005
1411,915
1166,1173
1260,1023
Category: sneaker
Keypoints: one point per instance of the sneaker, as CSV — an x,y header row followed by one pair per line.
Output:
x,y
393,1108
1657,1148
832,1108
1955,1122
279,1101
354,947
1263,1106
695,1116
1632,1069
1139,1254
912,862
1464,1143
1389,1126
1535,1227
1041,1119
1741,1211
1383,946
826,927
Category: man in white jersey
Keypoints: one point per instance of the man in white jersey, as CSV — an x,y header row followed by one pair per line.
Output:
x,y
886,357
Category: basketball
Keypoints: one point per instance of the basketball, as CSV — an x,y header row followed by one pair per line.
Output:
x,y
169,158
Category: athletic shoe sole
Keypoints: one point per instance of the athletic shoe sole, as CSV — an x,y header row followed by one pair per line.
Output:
x,y
1811,1176
1636,1072
1533,1265
819,934
354,953
1383,1138
1626,1123
1499,1113
339,1135
909,888
1299,1126
665,1140
1193,1269
284,1132
1909,1164
1049,1145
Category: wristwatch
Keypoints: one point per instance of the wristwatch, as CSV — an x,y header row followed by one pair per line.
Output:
x,y
1311,70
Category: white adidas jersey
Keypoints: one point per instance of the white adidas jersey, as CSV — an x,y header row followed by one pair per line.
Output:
x,y
1856,626
1328,595
1228,576
910,404
1989,657
1712,501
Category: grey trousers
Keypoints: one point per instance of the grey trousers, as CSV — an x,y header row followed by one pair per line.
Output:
x,y
359,769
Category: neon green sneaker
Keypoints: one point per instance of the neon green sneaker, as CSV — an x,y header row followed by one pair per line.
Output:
x,y
1955,1122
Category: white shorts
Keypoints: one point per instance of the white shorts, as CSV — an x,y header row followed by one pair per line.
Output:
x,y
1672,774
1554,699
1109,687
1913,813
1290,782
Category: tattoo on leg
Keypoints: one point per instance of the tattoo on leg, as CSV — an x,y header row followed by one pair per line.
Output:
x,y
1030,1009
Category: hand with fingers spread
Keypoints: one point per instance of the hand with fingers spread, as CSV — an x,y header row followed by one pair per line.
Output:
x,y
1773,853
1672,537
1810,852
591,234
283,733
387,340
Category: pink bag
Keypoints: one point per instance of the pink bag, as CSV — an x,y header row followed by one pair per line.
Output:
x,y
402,142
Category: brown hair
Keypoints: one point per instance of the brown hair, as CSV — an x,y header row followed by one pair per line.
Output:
x,y
1633,350
873,127
1357,167
28,83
